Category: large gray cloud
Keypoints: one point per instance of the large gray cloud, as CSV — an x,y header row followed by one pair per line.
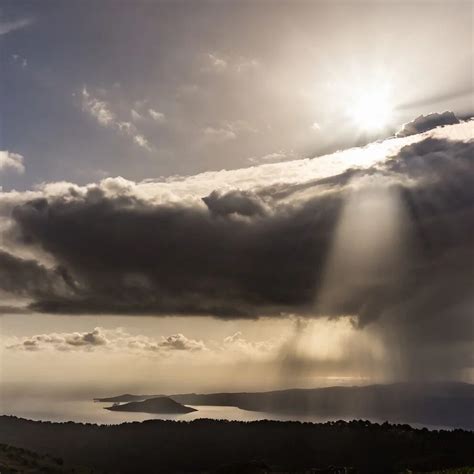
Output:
x,y
244,254
389,245
28,278
424,123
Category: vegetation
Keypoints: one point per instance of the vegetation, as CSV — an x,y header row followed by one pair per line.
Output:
x,y
19,460
210,445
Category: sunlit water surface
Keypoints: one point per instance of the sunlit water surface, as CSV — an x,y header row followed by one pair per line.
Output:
x,y
88,411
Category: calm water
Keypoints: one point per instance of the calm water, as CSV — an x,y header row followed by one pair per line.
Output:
x,y
88,411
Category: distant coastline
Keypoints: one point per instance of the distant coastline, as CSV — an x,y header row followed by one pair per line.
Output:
x,y
449,404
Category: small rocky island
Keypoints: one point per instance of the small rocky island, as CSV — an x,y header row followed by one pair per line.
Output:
x,y
161,405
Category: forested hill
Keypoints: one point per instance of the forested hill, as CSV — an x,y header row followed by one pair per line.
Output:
x,y
205,445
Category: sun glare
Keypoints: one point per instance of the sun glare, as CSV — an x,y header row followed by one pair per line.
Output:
x,y
371,111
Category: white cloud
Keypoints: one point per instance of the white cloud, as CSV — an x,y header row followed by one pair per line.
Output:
x,y
218,63
190,190
98,109
274,157
219,134
105,339
227,131
157,116
101,111
245,64
9,26
13,161
61,341
181,343
118,340
141,141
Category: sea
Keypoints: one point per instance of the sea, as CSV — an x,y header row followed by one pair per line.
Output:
x,y
90,411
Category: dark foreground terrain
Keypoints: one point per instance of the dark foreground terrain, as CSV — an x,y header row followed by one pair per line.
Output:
x,y
207,445
19,460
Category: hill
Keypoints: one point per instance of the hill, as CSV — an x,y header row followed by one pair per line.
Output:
x,y
153,405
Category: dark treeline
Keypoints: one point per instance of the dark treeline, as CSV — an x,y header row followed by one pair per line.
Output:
x,y
205,445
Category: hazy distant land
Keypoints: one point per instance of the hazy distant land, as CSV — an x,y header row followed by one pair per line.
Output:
x,y
442,404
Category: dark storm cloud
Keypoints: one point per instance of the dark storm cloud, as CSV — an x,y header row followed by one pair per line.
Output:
x,y
26,278
234,202
247,254
127,256
424,123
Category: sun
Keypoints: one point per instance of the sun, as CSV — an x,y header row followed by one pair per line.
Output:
x,y
371,111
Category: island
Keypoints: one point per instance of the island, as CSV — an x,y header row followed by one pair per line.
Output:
x,y
163,405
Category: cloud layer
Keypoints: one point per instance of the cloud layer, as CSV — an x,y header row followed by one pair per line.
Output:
x,y
106,339
387,241
120,341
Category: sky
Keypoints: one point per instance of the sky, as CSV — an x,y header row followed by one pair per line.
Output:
x,y
190,190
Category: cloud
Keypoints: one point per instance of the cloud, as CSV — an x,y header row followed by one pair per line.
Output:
x,y
101,111
156,116
232,349
13,25
386,244
237,345
13,161
228,131
219,134
178,342
101,339
299,350
141,141
22,61
216,62
243,203
30,279
246,64
123,248
274,157
424,123
98,109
